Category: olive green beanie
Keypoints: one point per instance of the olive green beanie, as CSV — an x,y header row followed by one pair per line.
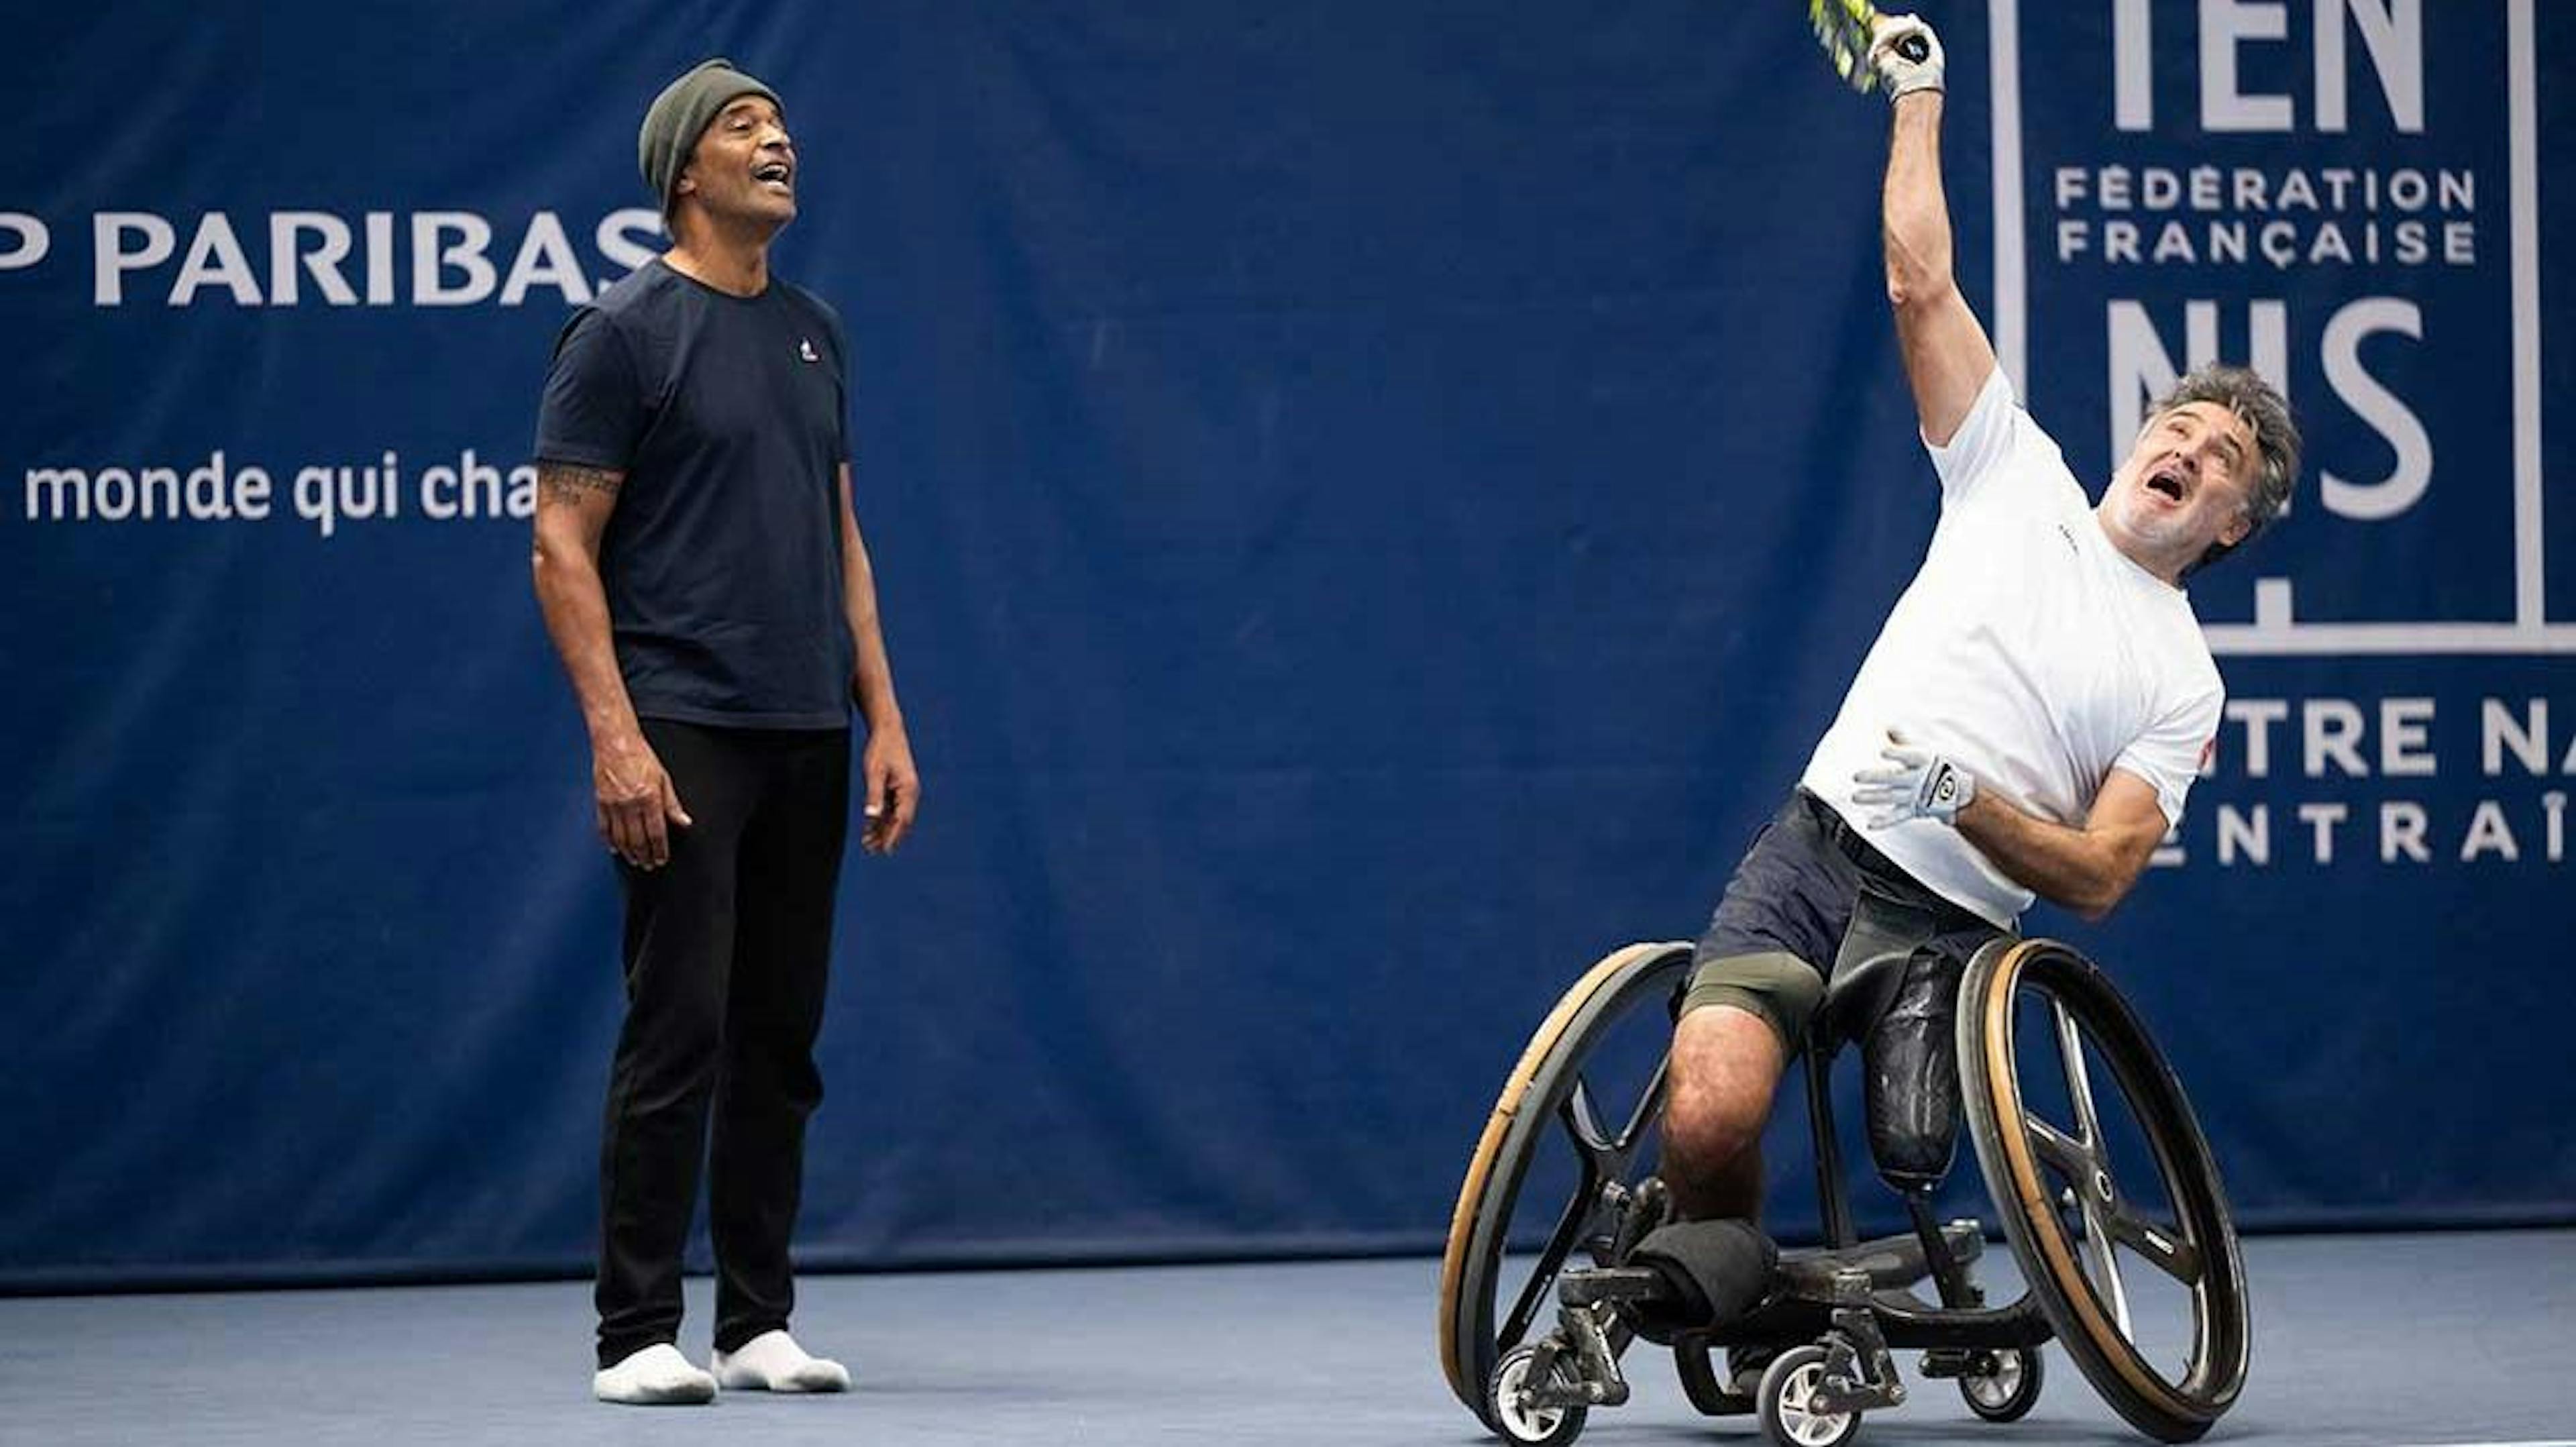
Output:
x,y
679,115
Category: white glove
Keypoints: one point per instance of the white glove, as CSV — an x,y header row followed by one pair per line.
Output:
x,y
1914,783
1889,50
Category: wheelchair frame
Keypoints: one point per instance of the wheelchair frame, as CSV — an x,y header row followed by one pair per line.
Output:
x,y
1840,1310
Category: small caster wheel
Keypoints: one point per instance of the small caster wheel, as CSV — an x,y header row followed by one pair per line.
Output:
x,y
2007,1392
1516,1419
1788,1388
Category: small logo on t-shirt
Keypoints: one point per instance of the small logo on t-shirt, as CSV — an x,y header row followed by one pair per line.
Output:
x,y
805,350
2070,540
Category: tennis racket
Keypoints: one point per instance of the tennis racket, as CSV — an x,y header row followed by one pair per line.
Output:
x,y
1843,28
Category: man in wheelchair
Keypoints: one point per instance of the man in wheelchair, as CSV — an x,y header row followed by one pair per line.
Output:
x,y
2027,723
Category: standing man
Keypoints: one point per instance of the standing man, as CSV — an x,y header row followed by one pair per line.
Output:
x,y
2028,722
701,572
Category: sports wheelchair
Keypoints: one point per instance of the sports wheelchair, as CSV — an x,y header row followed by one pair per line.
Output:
x,y
2087,1186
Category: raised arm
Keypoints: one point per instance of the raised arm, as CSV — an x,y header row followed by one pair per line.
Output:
x,y
636,801
1947,357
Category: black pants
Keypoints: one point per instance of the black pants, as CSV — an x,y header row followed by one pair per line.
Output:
x,y
727,951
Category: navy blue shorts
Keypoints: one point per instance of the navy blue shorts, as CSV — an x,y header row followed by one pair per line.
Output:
x,y
1792,895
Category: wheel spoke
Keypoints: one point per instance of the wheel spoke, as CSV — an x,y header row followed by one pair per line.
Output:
x,y
2106,1267
2163,1247
2072,1158
1560,1244
2079,1084
1650,1108
1605,1158
2093,1189
1582,1122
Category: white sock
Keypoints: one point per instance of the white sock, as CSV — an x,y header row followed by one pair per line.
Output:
x,y
773,1362
657,1376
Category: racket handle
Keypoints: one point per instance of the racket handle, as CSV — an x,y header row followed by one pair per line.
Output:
x,y
1915,49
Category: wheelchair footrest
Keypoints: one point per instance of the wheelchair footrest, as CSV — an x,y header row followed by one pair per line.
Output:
x,y
1712,1272
1595,1285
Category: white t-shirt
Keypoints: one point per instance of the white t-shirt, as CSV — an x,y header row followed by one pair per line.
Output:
x,y
2029,650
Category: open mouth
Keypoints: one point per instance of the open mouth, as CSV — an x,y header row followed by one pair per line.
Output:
x,y
776,173
2168,483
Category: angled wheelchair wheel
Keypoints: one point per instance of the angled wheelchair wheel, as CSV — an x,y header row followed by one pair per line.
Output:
x,y
2105,1186
1556,1169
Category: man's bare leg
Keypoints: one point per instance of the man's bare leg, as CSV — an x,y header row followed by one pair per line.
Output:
x,y
1726,1062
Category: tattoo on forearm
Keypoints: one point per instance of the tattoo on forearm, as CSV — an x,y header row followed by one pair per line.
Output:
x,y
567,482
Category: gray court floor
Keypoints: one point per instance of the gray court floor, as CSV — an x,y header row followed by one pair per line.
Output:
x,y
2381,1340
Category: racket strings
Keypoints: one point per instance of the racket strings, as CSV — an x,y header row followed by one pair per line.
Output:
x,y
1843,28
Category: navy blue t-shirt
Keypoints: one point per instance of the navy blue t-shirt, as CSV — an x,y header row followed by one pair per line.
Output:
x,y
722,561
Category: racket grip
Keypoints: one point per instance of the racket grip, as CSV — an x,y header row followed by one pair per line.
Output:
x,y
1915,49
